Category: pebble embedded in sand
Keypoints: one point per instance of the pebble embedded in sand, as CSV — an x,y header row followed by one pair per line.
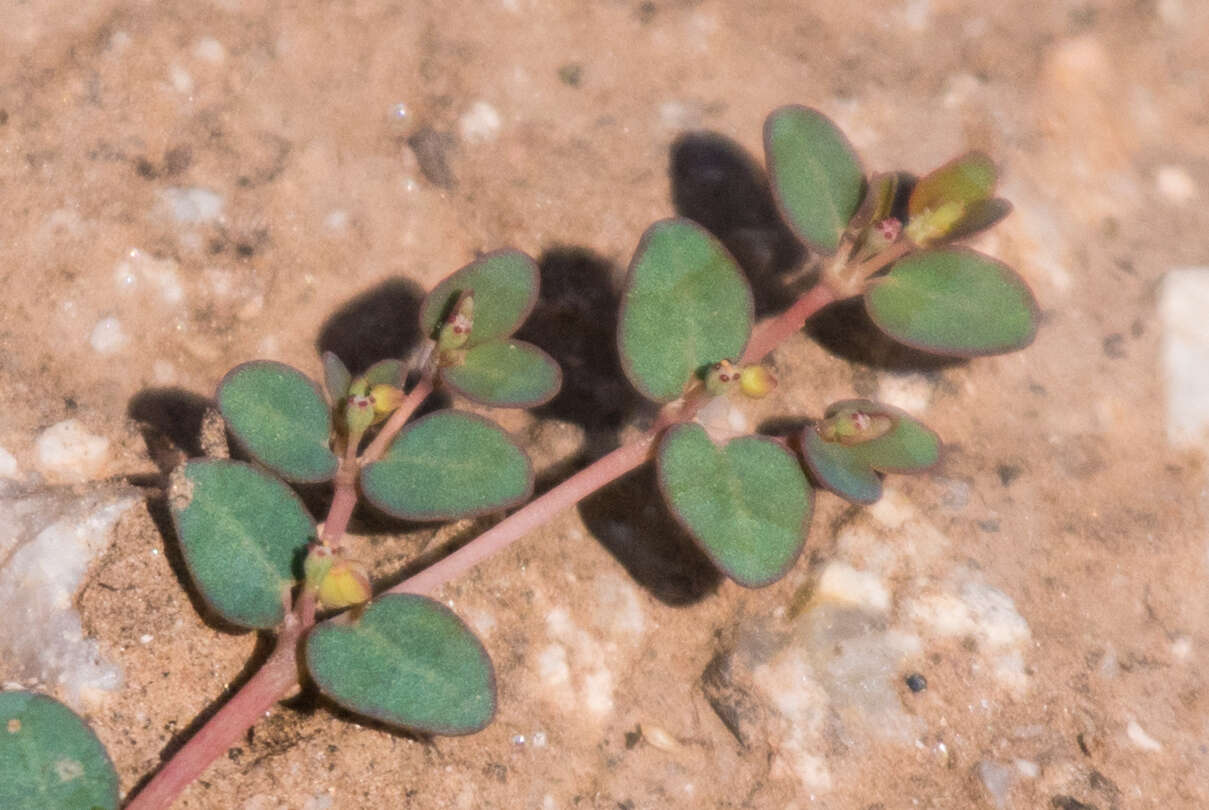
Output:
x,y
107,336
193,206
8,465
1174,183
68,452
479,124
1184,355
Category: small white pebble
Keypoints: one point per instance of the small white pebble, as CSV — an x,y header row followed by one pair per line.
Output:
x,y
660,738
539,739
336,221
209,49
107,336
193,206
1027,769
8,465
843,583
146,638
182,82
68,452
1174,183
399,112
518,739
1138,736
479,124
1181,648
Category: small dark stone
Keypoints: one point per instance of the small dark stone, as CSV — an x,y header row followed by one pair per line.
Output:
x,y
235,754
1070,803
70,403
989,525
632,738
571,74
244,250
646,12
3,117
1008,473
916,682
1114,345
431,149
146,169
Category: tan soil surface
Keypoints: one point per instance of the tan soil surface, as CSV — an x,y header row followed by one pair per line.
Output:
x,y
552,127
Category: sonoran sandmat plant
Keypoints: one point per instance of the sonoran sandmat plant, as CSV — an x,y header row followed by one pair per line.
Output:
x,y
686,337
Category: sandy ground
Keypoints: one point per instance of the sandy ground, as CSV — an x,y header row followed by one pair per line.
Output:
x,y
189,185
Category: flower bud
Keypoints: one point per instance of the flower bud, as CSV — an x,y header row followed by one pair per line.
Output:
x,y
384,399
456,329
358,413
346,584
931,225
854,427
721,377
756,381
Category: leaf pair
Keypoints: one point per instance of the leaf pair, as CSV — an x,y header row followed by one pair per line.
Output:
x,y
950,302
686,306
858,439
406,660
492,368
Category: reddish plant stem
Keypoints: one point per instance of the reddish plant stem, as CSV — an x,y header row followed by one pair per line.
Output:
x,y
280,673
275,678
770,333
398,419
535,513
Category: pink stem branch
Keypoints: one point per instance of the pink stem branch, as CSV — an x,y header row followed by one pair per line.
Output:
x,y
274,679
535,513
397,420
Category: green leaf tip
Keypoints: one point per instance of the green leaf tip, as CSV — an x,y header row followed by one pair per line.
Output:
x,y
954,302
50,758
815,175
278,415
747,503
242,534
447,465
505,374
859,438
685,306
407,661
505,287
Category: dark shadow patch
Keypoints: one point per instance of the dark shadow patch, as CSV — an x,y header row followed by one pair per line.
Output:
x,y
630,520
846,330
575,321
170,420
380,323
717,183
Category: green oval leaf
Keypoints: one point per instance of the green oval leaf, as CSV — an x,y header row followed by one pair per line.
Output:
x,y
279,417
685,305
336,377
747,504
506,374
978,216
963,180
50,758
449,464
408,661
850,469
909,446
954,302
386,372
505,285
242,534
815,175
839,470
